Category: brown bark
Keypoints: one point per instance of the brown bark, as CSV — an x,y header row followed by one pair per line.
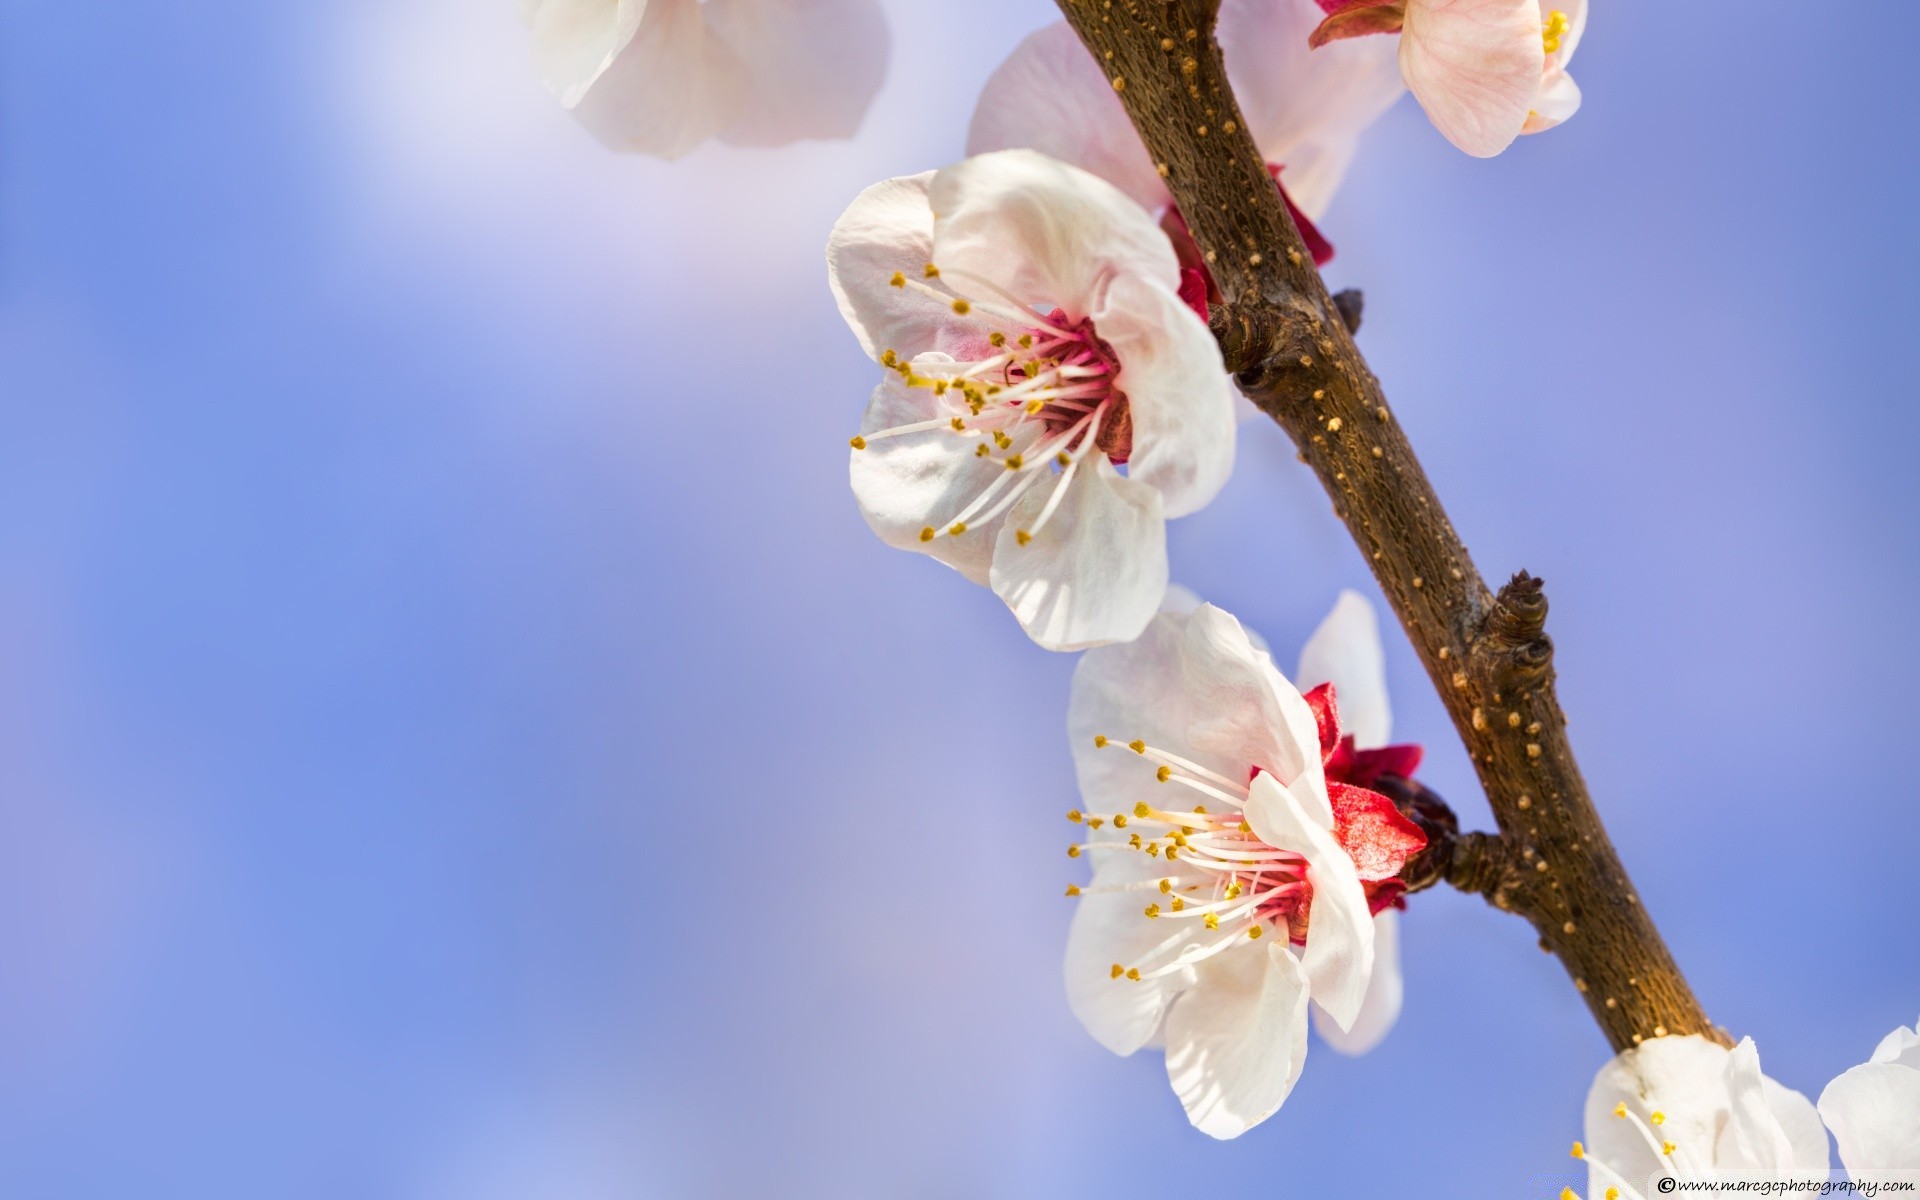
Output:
x,y
1289,345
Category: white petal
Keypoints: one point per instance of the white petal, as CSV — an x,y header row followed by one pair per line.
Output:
x,y
1177,390
672,87
1753,1136
1049,233
1244,711
1339,953
1385,991
1110,927
905,484
1097,570
1345,651
1051,96
1237,1039
1474,65
1874,1112
887,228
1305,108
575,41
1901,1046
813,66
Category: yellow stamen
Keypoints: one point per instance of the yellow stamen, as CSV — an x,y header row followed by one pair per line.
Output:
x,y
1579,1151
1620,1109
1133,973
858,443
1073,852
1019,535
898,281
957,528
926,535
1099,741
1152,911
1553,29
1074,815
1118,971
1254,932
1073,889
1138,747
931,271
1658,1118
962,307
1163,774
1213,921
1166,886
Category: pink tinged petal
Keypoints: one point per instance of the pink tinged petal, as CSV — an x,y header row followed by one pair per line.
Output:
x,y
1475,66
575,41
1049,233
1338,956
1245,712
1108,928
1095,572
1305,108
1874,1113
1177,392
812,66
1237,1039
905,484
1051,96
1385,993
1559,99
672,87
889,228
1345,651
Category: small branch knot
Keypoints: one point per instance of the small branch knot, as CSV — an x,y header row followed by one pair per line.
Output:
x,y
1351,305
1514,649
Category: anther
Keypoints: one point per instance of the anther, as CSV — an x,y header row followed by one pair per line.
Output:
x,y
1074,815
962,307
1141,809
1117,971
957,528
1133,973
926,534
1658,1118
1015,462
1579,1151
1166,886
857,442
931,271
1120,821
898,281
1073,889
1163,774
1138,747
1099,741
1152,911
1178,903
1213,921
1253,932
1073,852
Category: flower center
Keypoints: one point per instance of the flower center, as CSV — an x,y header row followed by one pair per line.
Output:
x,y
1218,872
1652,1130
1553,29
1037,398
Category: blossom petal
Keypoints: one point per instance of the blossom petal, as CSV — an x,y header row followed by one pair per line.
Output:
x,y
1244,711
1474,65
1096,571
575,41
1558,99
1385,992
1108,928
673,86
1236,1039
1374,834
1901,1046
1338,956
1177,392
1874,1112
909,483
1049,233
1133,690
1305,108
1345,651
813,65
887,228
1051,96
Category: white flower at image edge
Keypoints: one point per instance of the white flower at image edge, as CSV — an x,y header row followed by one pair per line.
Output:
x,y
1048,398
1195,710
1685,1107
1874,1109
660,77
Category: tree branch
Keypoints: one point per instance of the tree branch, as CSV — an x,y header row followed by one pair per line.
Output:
x,y
1290,346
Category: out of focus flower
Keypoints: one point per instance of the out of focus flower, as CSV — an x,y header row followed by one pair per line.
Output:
x,y
1235,874
1684,1107
1486,71
1305,110
1029,319
1874,1109
661,76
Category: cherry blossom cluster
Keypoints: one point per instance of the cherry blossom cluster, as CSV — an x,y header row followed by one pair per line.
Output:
x,y
1049,396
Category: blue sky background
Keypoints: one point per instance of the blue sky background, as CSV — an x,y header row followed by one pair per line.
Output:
x,y
459,742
